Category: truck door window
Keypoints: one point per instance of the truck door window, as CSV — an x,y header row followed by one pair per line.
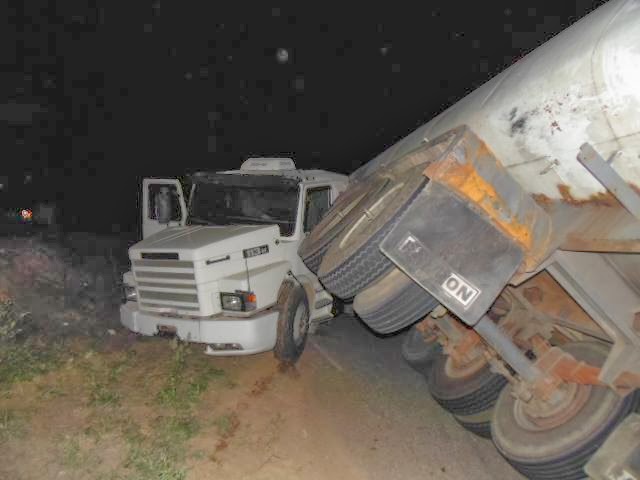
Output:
x,y
156,190
318,201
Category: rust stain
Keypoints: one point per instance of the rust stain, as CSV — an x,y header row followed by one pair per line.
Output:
x,y
577,243
464,179
604,199
549,298
542,200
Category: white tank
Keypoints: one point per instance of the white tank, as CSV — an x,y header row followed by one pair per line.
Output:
x,y
581,86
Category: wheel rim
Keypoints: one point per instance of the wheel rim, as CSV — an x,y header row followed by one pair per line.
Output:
x,y
300,323
537,416
339,215
343,212
370,214
468,369
559,437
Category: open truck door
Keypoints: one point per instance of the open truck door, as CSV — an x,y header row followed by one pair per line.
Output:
x,y
163,205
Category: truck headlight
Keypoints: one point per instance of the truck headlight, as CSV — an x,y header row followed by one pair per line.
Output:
x,y
238,301
129,293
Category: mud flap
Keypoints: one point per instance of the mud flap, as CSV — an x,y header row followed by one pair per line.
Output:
x,y
453,251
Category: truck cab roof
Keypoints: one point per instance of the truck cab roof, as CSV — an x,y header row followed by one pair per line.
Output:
x,y
278,167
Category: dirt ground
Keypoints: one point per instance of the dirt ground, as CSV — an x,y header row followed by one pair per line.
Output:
x,y
150,411
127,408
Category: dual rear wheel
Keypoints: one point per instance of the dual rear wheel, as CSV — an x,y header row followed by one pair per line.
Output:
x,y
540,440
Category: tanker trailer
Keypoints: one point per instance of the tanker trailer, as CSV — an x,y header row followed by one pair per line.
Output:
x,y
527,232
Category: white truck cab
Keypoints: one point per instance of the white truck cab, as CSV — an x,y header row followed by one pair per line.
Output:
x,y
224,269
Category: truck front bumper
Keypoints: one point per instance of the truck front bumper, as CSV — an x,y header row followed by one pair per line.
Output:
x,y
252,334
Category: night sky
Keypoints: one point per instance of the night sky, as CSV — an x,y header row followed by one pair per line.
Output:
x,y
133,89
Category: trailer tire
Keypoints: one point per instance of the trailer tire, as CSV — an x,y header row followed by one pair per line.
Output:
x,y
561,451
420,352
468,395
354,260
293,323
342,213
471,398
478,424
393,302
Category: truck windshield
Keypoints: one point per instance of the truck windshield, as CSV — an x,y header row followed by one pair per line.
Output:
x,y
215,204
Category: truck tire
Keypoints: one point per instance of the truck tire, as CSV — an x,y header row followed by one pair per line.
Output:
x,y
478,424
420,352
471,396
393,302
560,449
354,261
293,323
314,247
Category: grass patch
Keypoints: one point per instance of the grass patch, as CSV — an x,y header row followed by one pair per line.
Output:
x,y
160,455
227,424
152,464
11,425
72,454
103,378
199,384
22,362
172,433
184,386
176,430
48,392
170,394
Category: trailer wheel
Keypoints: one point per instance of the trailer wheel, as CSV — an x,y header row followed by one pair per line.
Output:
x,y
478,424
469,392
420,352
341,213
293,323
393,302
545,444
354,261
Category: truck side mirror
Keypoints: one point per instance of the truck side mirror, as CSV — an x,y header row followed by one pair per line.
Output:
x,y
164,205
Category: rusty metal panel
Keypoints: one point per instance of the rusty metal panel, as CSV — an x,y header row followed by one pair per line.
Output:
x,y
471,170
613,303
602,170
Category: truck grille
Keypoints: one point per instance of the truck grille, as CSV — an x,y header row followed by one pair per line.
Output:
x,y
166,284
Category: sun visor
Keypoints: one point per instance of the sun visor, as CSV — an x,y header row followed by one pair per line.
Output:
x,y
254,181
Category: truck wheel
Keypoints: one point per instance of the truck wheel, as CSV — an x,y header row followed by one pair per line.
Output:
x,y
293,323
393,302
544,444
469,392
354,261
478,424
420,352
341,213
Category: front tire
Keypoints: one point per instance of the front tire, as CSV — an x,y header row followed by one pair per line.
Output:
x,y
293,323
559,446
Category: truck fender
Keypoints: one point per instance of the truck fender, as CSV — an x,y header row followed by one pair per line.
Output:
x,y
302,280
